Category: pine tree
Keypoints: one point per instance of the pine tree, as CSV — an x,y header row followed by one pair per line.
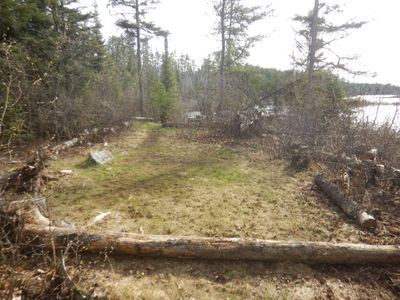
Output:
x,y
138,28
96,43
233,28
317,35
168,80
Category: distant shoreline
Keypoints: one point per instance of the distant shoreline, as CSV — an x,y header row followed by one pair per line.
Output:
x,y
365,100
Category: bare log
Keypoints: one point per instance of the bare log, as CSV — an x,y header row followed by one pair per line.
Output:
x,y
349,207
138,245
65,145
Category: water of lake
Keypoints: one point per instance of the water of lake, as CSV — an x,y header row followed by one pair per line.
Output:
x,y
381,109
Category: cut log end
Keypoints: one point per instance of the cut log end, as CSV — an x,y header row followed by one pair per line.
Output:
x,y
367,221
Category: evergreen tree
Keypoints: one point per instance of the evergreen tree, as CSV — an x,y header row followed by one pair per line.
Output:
x,y
57,49
138,28
234,20
95,42
168,80
317,35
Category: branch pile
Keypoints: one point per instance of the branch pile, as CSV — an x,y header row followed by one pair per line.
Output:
x,y
24,179
365,183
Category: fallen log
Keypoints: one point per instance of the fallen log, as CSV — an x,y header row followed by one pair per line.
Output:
x,y
184,125
143,119
65,145
348,206
31,211
138,245
86,137
14,206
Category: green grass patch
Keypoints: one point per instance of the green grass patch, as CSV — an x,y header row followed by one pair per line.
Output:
x,y
163,184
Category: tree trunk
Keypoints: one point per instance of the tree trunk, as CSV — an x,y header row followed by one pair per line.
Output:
x,y
349,207
312,51
228,57
222,62
215,248
139,58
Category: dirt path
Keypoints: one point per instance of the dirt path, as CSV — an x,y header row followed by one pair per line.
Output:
x,y
159,183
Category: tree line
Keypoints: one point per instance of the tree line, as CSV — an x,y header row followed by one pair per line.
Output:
x,y
356,89
58,76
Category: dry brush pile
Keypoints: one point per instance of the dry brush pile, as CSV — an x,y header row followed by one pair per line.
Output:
x,y
361,160
30,268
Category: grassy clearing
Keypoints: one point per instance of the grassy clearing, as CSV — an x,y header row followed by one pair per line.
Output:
x,y
162,184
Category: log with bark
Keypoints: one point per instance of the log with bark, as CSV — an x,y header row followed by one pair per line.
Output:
x,y
348,206
138,245
192,247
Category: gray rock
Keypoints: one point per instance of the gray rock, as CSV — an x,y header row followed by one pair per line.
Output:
x,y
100,156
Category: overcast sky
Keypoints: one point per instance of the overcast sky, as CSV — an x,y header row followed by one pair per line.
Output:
x,y
190,23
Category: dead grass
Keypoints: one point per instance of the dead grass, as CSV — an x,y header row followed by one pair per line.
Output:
x,y
159,183
164,185
177,279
